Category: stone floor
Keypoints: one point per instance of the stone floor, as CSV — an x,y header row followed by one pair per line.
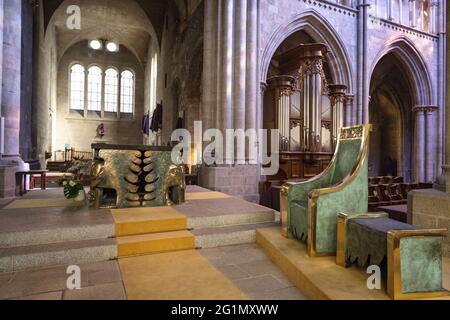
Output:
x,y
246,266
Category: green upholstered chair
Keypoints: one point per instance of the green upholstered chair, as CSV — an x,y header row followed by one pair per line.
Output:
x,y
309,210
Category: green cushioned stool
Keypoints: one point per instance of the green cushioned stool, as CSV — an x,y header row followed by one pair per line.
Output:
x,y
414,256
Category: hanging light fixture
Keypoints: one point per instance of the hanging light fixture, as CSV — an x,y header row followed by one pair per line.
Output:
x,y
112,46
95,44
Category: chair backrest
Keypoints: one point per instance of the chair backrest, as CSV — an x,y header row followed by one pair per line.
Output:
x,y
352,142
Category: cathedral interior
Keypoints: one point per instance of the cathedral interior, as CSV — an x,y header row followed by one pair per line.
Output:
x,y
347,98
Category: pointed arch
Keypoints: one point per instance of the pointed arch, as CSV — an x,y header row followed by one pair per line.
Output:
x,y
413,65
320,30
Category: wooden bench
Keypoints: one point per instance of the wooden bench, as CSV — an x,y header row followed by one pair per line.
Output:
x,y
21,179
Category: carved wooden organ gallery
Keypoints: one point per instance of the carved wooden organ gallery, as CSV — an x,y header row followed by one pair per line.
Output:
x,y
307,111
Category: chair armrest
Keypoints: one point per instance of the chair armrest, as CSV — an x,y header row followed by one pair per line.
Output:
x,y
297,191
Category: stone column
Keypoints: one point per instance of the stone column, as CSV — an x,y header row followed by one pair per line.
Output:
x,y
226,80
413,16
11,46
348,121
443,182
434,16
240,63
390,9
419,144
210,41
429,208
430,148
251,82
10,110
337,99
240,68
363,81
400,11
230,88
312,77
1,51
422,15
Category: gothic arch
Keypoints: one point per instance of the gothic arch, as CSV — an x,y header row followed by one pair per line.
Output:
x,y
320,30
413,65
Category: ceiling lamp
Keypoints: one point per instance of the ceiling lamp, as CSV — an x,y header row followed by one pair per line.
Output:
x,y
95,44
112,47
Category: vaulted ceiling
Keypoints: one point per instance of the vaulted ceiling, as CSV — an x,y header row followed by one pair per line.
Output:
x,y
132,23
154,9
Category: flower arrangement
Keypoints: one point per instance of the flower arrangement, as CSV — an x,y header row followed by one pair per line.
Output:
x,y
73,183
72,187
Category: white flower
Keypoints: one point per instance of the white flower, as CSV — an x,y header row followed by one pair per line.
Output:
x,y
72,183
64,183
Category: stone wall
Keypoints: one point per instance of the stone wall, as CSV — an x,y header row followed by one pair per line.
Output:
x,y
240,180
80,132
182,54
44,84
430,209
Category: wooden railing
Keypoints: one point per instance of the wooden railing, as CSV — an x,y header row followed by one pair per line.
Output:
x,y
70,154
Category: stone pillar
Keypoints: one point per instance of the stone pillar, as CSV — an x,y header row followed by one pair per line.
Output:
x,y
413,16
11,29
422,15
337,99
363,81
419,144
12,46
240,63
430,148
429,208
210,41
1,51
230,88
434,16
349,99
312,78
252,93
226,80
400,11
390,10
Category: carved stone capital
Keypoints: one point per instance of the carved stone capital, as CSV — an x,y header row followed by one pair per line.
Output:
x,y
349,99
424,109
311,66
263,87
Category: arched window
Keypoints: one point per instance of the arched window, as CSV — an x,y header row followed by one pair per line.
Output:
x,y
77,87
111,90
127,92
95,89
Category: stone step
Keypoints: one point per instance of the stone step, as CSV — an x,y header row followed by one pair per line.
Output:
x,y
229,235
26,227
155,243
224,220
140,221
47,255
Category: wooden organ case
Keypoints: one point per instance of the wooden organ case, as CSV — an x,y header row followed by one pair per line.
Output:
x,y
306,110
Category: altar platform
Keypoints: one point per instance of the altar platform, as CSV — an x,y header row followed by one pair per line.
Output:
x,y
42,229
321,278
